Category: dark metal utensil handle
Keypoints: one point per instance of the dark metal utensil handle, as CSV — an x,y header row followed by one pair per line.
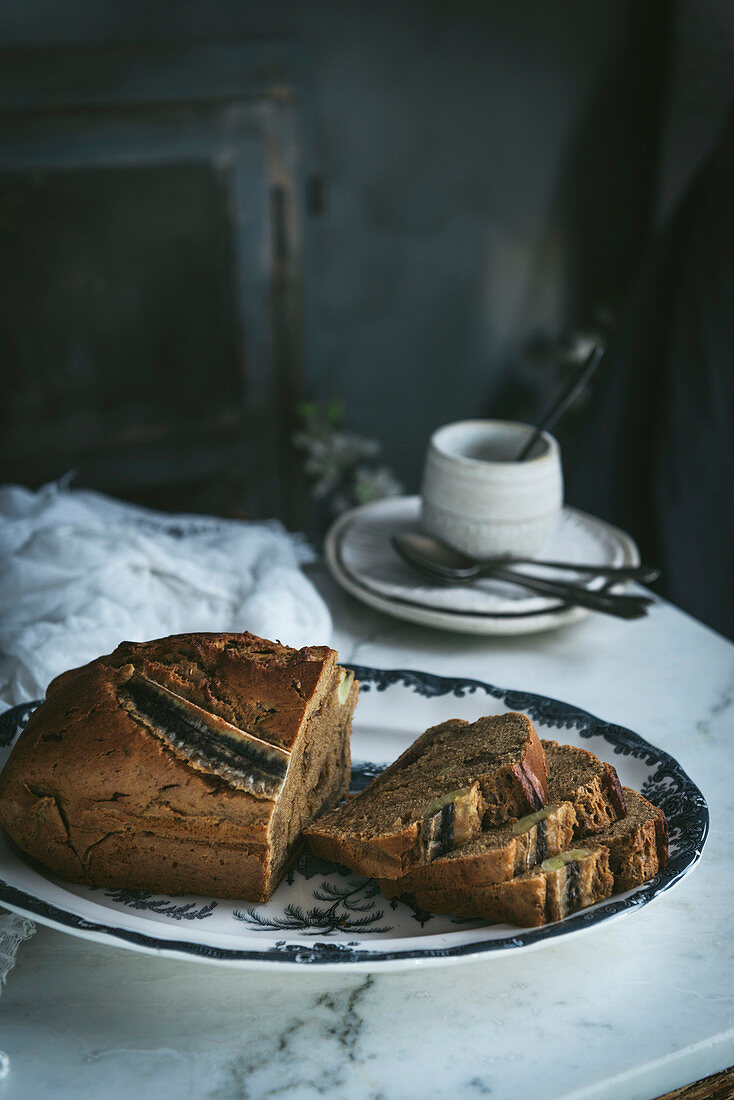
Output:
x,y
645,574
565,398
626,607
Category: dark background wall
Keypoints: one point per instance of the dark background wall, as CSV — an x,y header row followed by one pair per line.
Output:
x,y
701,88
475,177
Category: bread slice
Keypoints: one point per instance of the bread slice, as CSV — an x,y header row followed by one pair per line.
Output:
x,y
184,765
500,853
591,785
638,844
495,856
637,847
557,887
454,779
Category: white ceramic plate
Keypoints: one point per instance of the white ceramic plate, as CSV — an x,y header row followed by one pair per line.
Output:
x,y
325,916
361,559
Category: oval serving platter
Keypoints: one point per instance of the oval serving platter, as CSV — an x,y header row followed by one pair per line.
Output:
x,y
325,916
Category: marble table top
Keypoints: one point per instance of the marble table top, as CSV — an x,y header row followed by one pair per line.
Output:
x,y
639,1007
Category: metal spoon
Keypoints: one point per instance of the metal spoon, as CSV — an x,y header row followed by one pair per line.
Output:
x,y
626,607
566,398
427,552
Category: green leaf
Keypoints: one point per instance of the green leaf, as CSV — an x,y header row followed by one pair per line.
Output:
x,y
334,411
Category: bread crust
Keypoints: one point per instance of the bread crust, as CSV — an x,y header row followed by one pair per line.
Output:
x,y
90,792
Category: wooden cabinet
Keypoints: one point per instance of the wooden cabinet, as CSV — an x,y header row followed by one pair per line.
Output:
x,y
150,332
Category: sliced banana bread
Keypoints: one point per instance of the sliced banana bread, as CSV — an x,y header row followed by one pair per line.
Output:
x,y
495,856
502,852
550,891
637,847
556,888
591,785
184,765
638,844
454,779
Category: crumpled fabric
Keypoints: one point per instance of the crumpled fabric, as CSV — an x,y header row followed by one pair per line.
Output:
x,y
81,572
13,930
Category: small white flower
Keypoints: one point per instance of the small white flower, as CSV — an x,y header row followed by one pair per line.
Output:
x,y
375,484
335,462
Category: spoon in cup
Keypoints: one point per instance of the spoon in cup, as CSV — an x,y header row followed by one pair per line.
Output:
x,y
565,398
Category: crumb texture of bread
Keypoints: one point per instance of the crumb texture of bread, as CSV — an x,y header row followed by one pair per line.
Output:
x,y
536,897
497,855
188,764
637,844
454,780
549,864
592,786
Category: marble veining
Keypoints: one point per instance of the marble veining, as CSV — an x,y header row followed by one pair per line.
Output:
x,y
279,1068
718,709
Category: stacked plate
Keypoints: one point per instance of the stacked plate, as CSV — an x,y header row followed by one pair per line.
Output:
x,y
360,556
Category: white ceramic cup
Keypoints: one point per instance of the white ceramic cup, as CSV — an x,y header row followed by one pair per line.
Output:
x,y
480,500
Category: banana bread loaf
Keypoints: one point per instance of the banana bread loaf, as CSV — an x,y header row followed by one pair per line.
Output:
x,y
185,765
454,780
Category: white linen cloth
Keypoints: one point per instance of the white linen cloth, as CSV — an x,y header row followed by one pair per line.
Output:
x,y
13,930
81,572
